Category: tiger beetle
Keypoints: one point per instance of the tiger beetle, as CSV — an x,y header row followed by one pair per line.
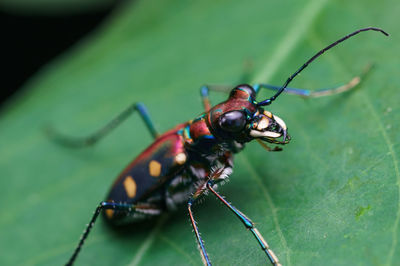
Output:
x,y
191,159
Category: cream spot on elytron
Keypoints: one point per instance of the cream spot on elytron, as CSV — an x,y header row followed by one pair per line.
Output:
x,y
154,168
109,213
130,186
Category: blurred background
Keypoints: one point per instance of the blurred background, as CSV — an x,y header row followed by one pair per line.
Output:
x,y
48,27
331,197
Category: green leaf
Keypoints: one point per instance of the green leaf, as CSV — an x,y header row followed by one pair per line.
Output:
x,y
330,197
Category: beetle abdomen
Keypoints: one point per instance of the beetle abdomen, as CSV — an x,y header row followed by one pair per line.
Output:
x,y
149,173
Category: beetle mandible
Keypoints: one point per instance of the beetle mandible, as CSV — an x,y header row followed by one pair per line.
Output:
x,y
194,157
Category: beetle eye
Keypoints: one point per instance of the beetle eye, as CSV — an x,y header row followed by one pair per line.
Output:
x,y
232,121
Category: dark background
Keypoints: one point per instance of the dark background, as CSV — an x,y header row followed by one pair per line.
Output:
x,y
30,41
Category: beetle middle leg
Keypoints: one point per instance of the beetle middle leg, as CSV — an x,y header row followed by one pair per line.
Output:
x,y
201,189
203,251
102,132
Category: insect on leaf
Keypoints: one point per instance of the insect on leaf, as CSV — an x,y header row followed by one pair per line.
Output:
x,y
331,197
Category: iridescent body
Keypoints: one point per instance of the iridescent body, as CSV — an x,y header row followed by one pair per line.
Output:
x,y
194,157
179,162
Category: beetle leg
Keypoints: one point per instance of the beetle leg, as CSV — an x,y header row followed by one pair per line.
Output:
x,y
319,92
245,77
202,249
204,92
248,224
219,174
102,132
104,205
199,192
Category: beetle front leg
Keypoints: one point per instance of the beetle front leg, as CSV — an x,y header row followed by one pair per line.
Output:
x,y
248,224
319,92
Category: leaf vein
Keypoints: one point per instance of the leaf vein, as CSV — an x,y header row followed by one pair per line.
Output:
x,y
286,46
296,33
148,242
176,247
271,204
397,172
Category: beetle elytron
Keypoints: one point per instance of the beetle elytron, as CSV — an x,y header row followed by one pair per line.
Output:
x,y
192,158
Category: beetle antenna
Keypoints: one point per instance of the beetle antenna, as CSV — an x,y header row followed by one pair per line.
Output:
x,y
270,100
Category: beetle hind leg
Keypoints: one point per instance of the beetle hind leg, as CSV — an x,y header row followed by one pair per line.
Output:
x,y
105,130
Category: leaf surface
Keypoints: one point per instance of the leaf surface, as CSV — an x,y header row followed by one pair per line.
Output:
x,y
330,198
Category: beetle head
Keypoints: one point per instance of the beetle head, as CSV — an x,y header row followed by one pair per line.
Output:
x,y
240,119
